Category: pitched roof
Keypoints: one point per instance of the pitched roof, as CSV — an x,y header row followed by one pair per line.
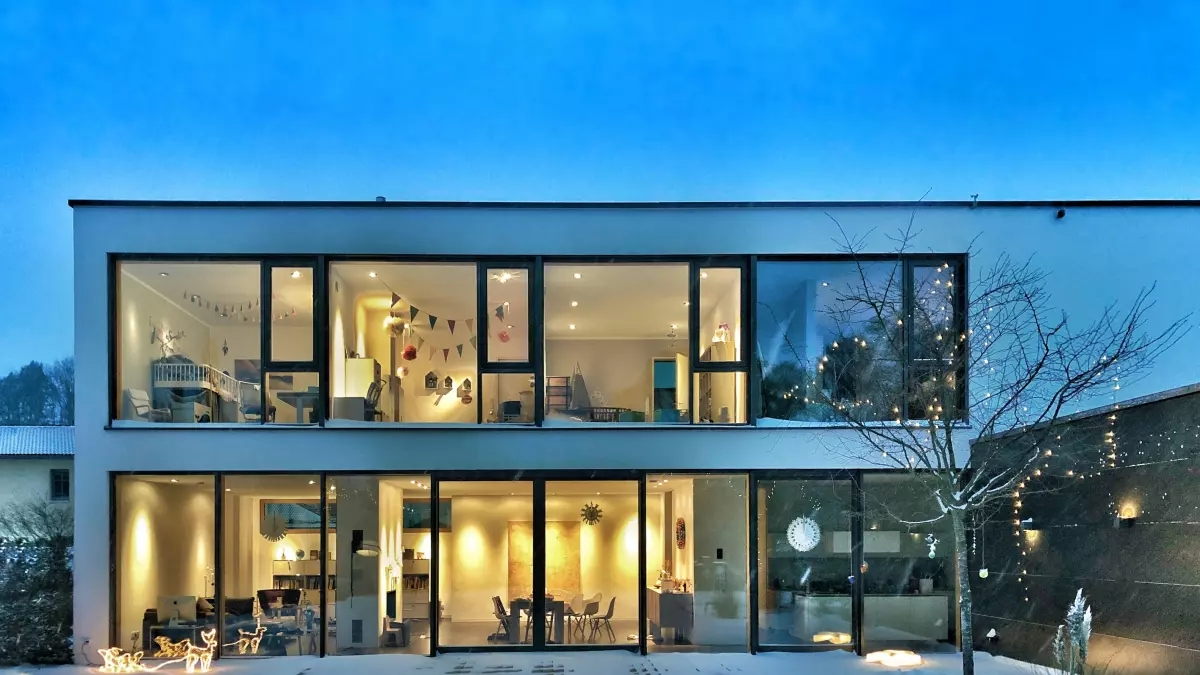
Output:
x,y
37,441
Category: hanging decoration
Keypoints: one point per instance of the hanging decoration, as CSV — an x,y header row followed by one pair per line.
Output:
x,y
503,336
466,385
680,533
932,542
459,348
448,382
410,353
273,527
431,380
591,513
446,354
803,534
450,324
225,348
466,399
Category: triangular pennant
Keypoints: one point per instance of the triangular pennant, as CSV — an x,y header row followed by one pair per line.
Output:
x,y
470,325
474,342
420,342
395,299
446,354
412,313
430,353
432,321
450,323
500,312
459,348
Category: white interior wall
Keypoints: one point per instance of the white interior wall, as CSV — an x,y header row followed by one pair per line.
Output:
x,y
620,371
419,404
141,311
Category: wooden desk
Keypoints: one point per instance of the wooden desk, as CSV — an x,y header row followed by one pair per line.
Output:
x,y
669,610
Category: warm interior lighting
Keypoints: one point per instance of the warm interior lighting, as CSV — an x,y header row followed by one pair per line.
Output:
x,y
295,274
371,274
1128,511
572,326
832,638
894,658
578,275
574,303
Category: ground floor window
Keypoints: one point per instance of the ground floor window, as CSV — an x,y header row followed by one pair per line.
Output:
x,y
337,564
164,563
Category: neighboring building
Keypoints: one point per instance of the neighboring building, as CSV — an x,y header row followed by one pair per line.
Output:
x,y
278,403
36,463
1124,527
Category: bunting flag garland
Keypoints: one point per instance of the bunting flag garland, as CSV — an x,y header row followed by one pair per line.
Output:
x,y
474,342
446,354
420,342
431,352
412,313
395,299
450,323
432,321
459,347
470,325
500,312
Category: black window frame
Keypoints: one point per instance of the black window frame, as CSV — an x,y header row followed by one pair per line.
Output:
x,y
60,478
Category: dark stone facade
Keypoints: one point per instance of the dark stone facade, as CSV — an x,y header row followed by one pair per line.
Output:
x,y
1128,535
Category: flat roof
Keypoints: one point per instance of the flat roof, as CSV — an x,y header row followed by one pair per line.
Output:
x,y
1066,203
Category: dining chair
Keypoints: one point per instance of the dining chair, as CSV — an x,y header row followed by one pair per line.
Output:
x,y
599,622
501,616
590,610
573,611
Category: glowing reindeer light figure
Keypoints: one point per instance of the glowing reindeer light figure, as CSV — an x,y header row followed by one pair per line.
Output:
x,y
200,658
248,640
115,661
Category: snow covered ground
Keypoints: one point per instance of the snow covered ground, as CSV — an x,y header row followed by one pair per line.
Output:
x,y
582,663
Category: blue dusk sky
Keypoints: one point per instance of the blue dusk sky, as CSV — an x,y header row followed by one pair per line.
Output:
x,y
573,101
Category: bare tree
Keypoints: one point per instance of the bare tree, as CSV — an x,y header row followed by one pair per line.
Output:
x,y
907,341
38,520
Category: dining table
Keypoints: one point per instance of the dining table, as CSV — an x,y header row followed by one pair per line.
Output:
x,y
557,609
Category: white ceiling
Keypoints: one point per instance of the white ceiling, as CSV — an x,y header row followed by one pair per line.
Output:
x,y
622,301
229,288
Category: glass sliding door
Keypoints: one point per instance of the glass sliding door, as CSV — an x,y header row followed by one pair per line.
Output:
x,y
697,530
380,532
164,564
485,584
804,544
591,563
271,549
909,582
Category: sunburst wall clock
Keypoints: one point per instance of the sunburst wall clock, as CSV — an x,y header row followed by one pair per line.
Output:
x,y
591,513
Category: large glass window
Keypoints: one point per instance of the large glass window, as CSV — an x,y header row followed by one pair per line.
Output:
x,y
909,583
292,314
272,565
591,563
486,569
721,314
938,343
189,342
830,341
697,529
163,554
403,340
804,544
617,343
380,530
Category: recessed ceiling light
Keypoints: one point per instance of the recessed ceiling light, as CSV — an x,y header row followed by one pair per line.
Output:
x,y
229,489
295,274
174,481
704,275
824,283
574,303
164,274
510,326
686,303
674,326
578,275
312,482
572,326
372,275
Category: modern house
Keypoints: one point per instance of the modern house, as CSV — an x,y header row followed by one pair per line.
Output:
x,y
359,427
36,465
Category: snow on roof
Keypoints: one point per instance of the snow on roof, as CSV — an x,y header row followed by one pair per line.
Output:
x,y
37,441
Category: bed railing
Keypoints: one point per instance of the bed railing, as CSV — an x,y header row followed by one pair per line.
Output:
x,y
198,376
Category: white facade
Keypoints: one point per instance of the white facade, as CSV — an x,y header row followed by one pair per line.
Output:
x,y
1096,255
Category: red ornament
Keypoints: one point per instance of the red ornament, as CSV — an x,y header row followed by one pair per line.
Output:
x,y
410,353
504,337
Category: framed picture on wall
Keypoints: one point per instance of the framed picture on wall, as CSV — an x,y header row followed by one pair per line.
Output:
x,y
299,515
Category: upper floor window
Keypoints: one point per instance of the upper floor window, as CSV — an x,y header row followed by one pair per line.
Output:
x,y
60,485
854,341
190,338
